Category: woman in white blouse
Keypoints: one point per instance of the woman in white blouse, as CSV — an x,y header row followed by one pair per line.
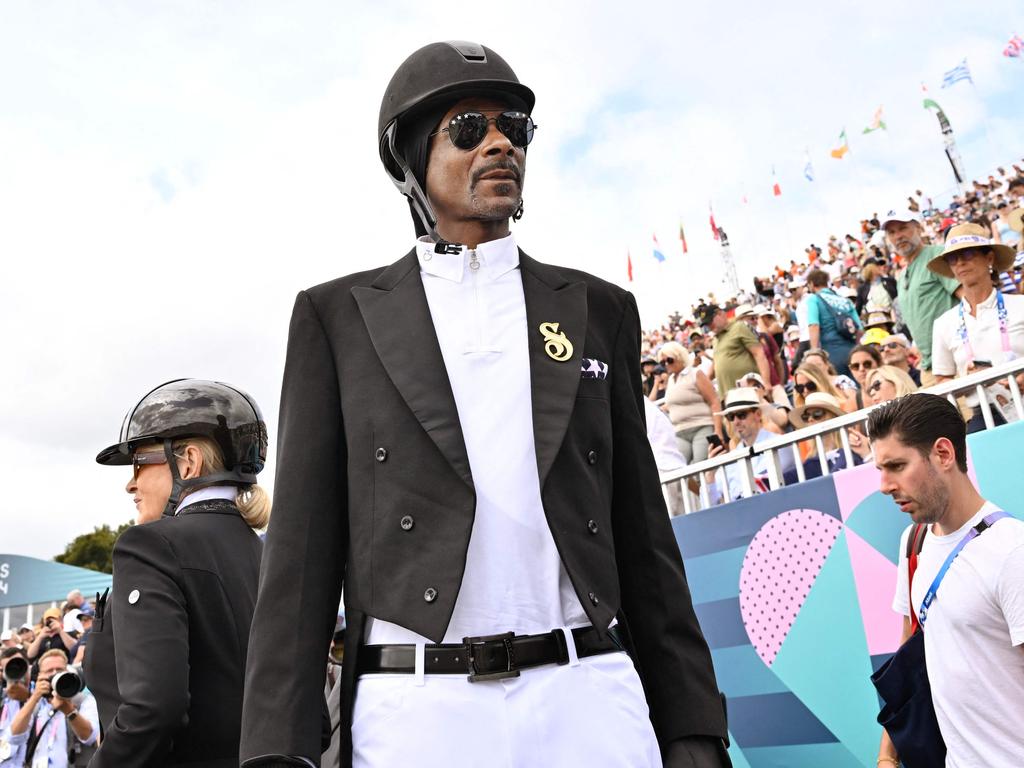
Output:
x,y
987,327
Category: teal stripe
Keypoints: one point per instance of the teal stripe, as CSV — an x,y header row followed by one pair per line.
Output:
x,y
741,672
804,756
715,576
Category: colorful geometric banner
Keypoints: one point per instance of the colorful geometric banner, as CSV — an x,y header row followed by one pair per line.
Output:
x,y
793,590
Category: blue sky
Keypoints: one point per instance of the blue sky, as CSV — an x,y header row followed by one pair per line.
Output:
x,y
172,173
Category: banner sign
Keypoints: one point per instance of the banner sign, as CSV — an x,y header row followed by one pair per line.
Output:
x,y
794,589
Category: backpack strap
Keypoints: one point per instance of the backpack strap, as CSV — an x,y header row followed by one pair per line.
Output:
x,y
914,543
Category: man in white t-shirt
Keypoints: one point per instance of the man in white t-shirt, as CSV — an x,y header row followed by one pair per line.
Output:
x,y
975,628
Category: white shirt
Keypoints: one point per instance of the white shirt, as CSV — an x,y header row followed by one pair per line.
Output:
x,y
758,464
974,639
52,750
228,492
479,317
662,437
801,317
949,356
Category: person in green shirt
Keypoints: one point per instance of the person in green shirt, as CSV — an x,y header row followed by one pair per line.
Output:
x,y
923,294
737,351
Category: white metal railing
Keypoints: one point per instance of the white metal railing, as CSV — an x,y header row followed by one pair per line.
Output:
x,y
975,382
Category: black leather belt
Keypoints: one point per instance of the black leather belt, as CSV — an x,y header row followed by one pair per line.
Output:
x,y
490,657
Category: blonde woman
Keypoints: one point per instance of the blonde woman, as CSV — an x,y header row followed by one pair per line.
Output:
x,y
185,578
887,383
690,401
810,378
819,407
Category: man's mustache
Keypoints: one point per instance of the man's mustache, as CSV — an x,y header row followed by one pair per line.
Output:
x,y
507,165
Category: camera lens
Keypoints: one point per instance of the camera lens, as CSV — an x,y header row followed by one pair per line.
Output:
x,y
15,669
66,684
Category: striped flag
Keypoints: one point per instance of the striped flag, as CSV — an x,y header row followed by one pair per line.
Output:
x,y
657,249
776,189
682,238
956,74
711,216
808,168
843,148
629,266
1014,48
877,124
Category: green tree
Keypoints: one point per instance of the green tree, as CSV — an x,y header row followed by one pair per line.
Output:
x,y
93,550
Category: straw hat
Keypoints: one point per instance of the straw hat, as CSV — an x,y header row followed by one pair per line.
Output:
x,y
740,399
814,401
1016,220
971,236
877,318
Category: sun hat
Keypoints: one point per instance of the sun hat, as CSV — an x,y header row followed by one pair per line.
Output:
x,y
971,236
1016,220
814,401
743,310
740,399
877,318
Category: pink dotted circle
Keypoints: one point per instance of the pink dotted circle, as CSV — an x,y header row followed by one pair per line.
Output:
x,y
780,566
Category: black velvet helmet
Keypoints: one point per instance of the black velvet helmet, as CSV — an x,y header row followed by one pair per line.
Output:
x,y
437,74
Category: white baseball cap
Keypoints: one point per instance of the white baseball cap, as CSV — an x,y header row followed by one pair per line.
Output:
x,y
899,214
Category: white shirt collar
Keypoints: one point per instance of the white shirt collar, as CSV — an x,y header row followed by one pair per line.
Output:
x,y
228,492
496,258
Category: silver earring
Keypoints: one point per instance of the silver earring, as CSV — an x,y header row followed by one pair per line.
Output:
x,y
519,211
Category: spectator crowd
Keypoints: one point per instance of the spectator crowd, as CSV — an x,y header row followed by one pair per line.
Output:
x,y
47,715
917,296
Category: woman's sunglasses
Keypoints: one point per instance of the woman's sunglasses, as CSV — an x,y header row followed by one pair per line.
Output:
x,y
867,365
669,360
876,385
140,460
816,414
810,386
468,129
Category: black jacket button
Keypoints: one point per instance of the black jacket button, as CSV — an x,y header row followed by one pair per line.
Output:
x,y
381,454
407,523
593,598
430,595
592,457
592,526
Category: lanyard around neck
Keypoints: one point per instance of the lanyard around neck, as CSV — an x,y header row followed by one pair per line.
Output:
x,y
1004,331
971,534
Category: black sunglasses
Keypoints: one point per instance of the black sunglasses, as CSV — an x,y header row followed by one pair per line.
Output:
x,y
875,386
140,460
468,129
866,365
810,386
739,414
669,360
815,414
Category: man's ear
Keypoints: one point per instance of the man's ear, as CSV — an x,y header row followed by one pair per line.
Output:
x,y
943,453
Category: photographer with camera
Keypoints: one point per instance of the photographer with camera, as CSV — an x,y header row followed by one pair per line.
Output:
x,y
14,674
54,722
51,637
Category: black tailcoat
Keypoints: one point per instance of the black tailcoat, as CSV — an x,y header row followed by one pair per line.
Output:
x,y
166,660
369,433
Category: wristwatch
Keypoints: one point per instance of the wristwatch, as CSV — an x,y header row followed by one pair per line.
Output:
x,y
72,715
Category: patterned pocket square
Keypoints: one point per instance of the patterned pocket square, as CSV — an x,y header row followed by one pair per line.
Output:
x,y
594,369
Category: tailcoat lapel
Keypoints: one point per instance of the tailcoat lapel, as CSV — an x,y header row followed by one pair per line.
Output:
x,y
551,298
401,329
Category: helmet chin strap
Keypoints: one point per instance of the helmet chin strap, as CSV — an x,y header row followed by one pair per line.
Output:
x,y
181,486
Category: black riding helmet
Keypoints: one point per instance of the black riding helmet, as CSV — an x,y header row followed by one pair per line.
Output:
x,y
195,408
435,76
